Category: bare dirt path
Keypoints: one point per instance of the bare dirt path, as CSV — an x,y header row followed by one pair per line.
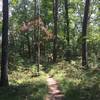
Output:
x,y
53,88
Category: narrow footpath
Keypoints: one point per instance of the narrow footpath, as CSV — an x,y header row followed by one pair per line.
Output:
x,y
53,90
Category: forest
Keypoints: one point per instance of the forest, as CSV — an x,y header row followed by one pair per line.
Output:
x,y
49,50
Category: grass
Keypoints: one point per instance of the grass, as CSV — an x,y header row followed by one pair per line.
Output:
x,y
24,92
24,86
76,83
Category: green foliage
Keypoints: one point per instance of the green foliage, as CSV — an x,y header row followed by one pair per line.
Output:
x,y
24,11
94,38
76,83
14,2
24,86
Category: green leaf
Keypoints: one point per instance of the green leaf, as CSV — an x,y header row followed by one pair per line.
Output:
x,y
14,2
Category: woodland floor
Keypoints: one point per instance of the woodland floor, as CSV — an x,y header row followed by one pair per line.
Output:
x,y
65,82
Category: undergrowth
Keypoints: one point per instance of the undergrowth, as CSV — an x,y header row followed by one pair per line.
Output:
x,y
24,85
75,82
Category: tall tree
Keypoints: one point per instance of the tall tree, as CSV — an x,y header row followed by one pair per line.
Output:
x,y
37,14
67,29
4,62
55,16
67,19
84,34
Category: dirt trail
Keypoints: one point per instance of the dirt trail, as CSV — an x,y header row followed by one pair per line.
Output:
x,y
54,92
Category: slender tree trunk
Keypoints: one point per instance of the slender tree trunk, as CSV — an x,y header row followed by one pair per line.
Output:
x,y
29,46
38,38
55,15
34,37
4,62
84,34
38,58
33,50
23,49
67,20
46,23
67,29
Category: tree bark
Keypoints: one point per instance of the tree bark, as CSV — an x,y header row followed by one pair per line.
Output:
x,y
4,61
84,34
67,29
67,20
38,58
55,15
29,46
34,36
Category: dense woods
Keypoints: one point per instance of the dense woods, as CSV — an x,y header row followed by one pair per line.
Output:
x,y
44,39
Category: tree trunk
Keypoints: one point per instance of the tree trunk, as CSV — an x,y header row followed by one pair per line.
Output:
x,y
38,38
38,58
67,30
4,62
67,20
84,34
29,46
55,15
